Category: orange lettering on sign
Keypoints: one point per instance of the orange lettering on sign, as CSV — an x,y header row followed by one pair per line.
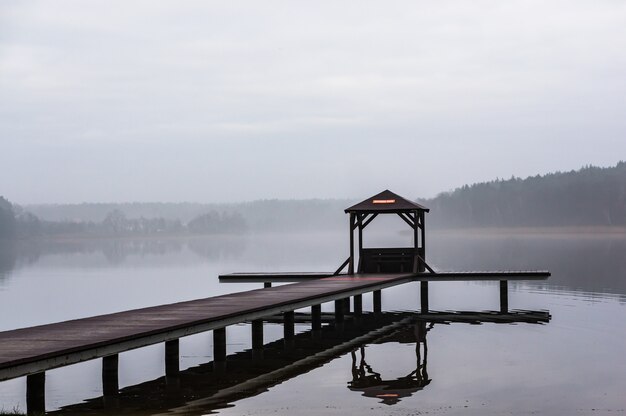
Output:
x,y
384,201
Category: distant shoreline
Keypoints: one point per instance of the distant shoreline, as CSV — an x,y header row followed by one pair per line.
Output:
x,y
587,230
582,231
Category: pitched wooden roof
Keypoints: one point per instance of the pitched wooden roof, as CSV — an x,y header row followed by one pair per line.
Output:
x,y
386,201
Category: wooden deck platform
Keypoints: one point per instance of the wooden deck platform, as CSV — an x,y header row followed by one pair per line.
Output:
x,y
36,349
421,277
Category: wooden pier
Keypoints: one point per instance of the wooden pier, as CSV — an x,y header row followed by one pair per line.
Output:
x,y
32,351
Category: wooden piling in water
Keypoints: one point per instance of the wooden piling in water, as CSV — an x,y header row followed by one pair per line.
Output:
x,y
257,334
316,317
377,301
110,377
219,345
36,394
504,296
339,314
424,296
358,304
172,358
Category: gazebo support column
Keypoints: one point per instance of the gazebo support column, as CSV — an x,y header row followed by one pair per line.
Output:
x,y
351,264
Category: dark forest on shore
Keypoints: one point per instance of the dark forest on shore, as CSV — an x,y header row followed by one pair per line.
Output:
x,y
591,196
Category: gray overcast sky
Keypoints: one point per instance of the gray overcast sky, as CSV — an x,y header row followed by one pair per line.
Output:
x,y
231,100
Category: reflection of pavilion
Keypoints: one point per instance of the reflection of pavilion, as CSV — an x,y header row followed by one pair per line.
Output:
x,y
371,383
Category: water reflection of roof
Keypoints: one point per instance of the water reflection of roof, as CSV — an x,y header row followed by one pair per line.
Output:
x,y
389,391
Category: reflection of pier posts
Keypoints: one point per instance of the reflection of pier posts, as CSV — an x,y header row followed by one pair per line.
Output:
x,y
36,393
377,301
219,347
424,296
504,296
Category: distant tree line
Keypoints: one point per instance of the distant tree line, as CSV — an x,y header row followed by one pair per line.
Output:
x,y
591,196
15,222
7,220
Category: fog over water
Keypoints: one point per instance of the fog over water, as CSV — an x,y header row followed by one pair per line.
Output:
x,y
234,101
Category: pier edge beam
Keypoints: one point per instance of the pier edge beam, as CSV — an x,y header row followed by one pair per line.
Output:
x,y
504,296
110,375
36,393
316,317
257,334
377,301
219,345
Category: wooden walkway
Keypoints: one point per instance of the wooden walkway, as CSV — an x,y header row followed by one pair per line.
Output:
x,y
36,349
443,276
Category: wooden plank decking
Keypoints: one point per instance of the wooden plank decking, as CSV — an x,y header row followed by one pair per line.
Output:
x,y
36,349
424,277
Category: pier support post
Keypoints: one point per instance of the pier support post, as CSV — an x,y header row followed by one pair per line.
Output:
x,y
424,296
36,394
316,317
257,334
339,304
504,296
172,364
219,346
346,305
289,322
358,304
289,328
377,301
110,379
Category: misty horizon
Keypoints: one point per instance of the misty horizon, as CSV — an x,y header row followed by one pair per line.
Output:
x,y
348,199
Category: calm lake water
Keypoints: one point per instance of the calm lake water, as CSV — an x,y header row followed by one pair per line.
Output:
x,y
574,364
